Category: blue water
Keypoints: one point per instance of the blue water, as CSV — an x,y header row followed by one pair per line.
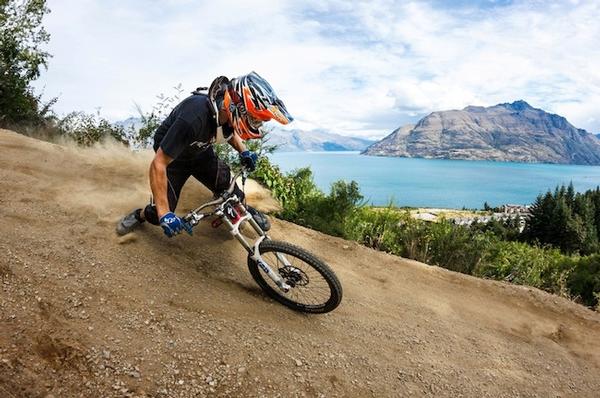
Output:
x,y
436,182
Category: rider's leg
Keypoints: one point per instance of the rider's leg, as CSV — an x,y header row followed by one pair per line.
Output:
x,y
213,173
177,174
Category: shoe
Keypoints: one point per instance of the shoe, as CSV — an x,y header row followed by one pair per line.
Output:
x,y
129,222
262,220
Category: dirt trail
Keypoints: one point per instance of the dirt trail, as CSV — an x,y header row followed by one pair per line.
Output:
x,y
85,314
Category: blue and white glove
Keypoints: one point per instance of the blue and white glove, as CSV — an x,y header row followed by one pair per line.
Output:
x,y
248,160
173,225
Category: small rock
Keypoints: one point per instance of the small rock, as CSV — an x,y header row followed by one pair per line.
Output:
x,y
298,362
135,374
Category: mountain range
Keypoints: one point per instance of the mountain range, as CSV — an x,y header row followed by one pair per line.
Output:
x,y
505,132
315,140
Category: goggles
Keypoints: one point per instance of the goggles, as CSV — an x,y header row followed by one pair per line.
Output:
x,y
254,122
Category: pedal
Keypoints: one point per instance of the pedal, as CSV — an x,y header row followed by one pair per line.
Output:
x,y
216,223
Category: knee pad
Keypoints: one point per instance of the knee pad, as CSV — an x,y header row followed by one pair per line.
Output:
x,y
151,215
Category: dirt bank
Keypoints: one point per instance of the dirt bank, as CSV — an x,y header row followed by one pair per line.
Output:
x,y
85,314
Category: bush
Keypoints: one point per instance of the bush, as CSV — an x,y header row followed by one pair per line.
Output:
x,y
292,190
375,228
523,264
584,279
327,213
456,247
443,243
87,129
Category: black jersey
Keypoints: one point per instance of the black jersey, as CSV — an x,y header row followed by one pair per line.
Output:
x,y
188,130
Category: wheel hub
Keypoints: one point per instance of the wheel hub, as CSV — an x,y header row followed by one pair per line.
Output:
x,y
294,276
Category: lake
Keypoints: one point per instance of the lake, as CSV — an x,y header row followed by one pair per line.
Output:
x,y
438,182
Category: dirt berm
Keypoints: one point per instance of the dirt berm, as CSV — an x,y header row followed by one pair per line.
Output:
x,y
85,314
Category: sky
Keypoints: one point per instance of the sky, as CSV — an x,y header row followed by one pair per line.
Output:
x,y
358,68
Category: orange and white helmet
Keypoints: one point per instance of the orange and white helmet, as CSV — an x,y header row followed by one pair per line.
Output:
x,y
250,100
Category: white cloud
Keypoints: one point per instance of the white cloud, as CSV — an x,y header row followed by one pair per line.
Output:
x,y
358,68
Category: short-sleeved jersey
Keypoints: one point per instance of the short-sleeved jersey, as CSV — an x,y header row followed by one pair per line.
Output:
x,y
188,129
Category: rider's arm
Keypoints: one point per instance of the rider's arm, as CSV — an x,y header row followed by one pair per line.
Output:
x,y
158,181
237,143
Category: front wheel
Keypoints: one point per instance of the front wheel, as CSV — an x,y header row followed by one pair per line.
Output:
x,y
314,286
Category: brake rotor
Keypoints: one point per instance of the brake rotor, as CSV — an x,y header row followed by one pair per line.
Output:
x,y
294,276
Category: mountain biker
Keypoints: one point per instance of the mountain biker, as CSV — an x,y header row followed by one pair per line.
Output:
x,y
233,111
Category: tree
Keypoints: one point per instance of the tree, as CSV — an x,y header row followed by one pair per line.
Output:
x,y
540,226
570,195
21,59
566,220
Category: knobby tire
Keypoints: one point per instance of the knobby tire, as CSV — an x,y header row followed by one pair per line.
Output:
x,y
319,266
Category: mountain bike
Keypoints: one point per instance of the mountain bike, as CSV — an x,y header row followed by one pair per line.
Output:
x,y
287,273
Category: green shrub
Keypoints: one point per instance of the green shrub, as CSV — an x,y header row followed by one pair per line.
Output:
x,y
87,129
584,279
328,213
375,228
523,264
293,190
457,247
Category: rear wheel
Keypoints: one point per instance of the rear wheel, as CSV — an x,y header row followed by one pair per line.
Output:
x,y
314,286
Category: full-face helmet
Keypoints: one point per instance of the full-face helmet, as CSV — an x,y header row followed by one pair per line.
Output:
x,y
249,101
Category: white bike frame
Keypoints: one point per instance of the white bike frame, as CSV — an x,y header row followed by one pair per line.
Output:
x,y
230,199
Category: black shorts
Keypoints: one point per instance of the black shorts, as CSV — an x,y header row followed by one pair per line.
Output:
x,y
206,167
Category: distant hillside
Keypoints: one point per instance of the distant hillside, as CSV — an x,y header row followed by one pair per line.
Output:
x,y
315,140
504,132
132,121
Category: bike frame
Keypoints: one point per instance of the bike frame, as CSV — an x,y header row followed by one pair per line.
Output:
x,y
227,201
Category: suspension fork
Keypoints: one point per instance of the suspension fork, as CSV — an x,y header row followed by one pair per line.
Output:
x,y
264,236
253,251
